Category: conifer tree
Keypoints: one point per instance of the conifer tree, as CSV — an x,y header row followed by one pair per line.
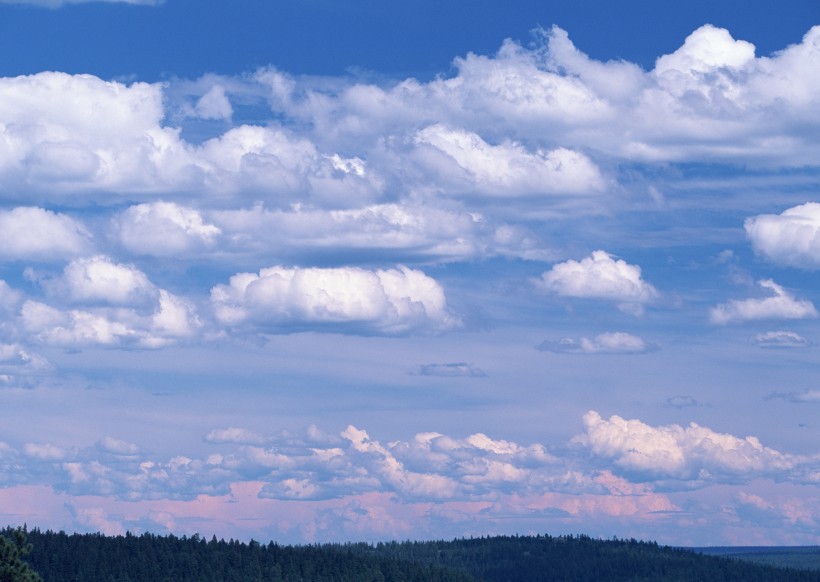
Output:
x,y
13,547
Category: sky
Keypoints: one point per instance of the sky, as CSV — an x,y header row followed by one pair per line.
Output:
x,y
307,271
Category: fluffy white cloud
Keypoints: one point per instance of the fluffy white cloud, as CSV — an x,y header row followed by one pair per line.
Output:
x,y
688,453
791,238
214,104
472,166
121,307
706,49
600,276
400,232
780,305
390,301
164,229
35,233
99,279
605,343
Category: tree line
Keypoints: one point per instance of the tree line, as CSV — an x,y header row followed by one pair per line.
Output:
x,y
47,556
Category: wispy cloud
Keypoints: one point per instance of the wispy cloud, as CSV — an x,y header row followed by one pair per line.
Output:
x,y
780,305
605,343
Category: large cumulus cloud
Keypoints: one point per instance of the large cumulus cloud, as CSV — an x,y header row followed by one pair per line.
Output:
x,y
392,301
791,238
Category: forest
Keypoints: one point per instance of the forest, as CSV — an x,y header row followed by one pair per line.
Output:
x,y
47,556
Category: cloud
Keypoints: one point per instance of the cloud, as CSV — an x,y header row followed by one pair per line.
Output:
x,y
98,279
605,343
468,164
393,301
780,339
164,229
96,301
402,230
791,238
600,276
705,50
39,234
451,370
235,435
798,397
691,453
782,305
20,367
682,401
214,104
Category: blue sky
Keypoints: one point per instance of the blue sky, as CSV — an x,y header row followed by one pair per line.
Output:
x,y
307,272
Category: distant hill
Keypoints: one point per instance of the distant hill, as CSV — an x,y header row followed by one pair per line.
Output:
x,y
800,557
59,557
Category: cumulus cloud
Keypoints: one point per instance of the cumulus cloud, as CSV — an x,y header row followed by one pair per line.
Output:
x,y
405,231
682,453
780,305
120,307
214,104
20,367
791,238
39,234
706,49
99,279
600,276
164,229
780,339
605,343
471,165
393,301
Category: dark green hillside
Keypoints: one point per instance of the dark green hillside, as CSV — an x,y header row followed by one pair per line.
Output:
x,y
799,557
59,557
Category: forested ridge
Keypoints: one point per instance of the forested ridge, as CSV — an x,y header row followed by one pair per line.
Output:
x,y
58,557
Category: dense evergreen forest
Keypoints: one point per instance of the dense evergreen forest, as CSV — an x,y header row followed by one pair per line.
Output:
x,y
59,557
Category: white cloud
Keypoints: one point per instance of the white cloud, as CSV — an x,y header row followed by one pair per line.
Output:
x,y
687,453
405,231
98,279
120,307
704,50
470,165
9,298
35,233
390,301
781,305
791,238
164,229
214,104
118,447
600,276
780,339
605,343
45,451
